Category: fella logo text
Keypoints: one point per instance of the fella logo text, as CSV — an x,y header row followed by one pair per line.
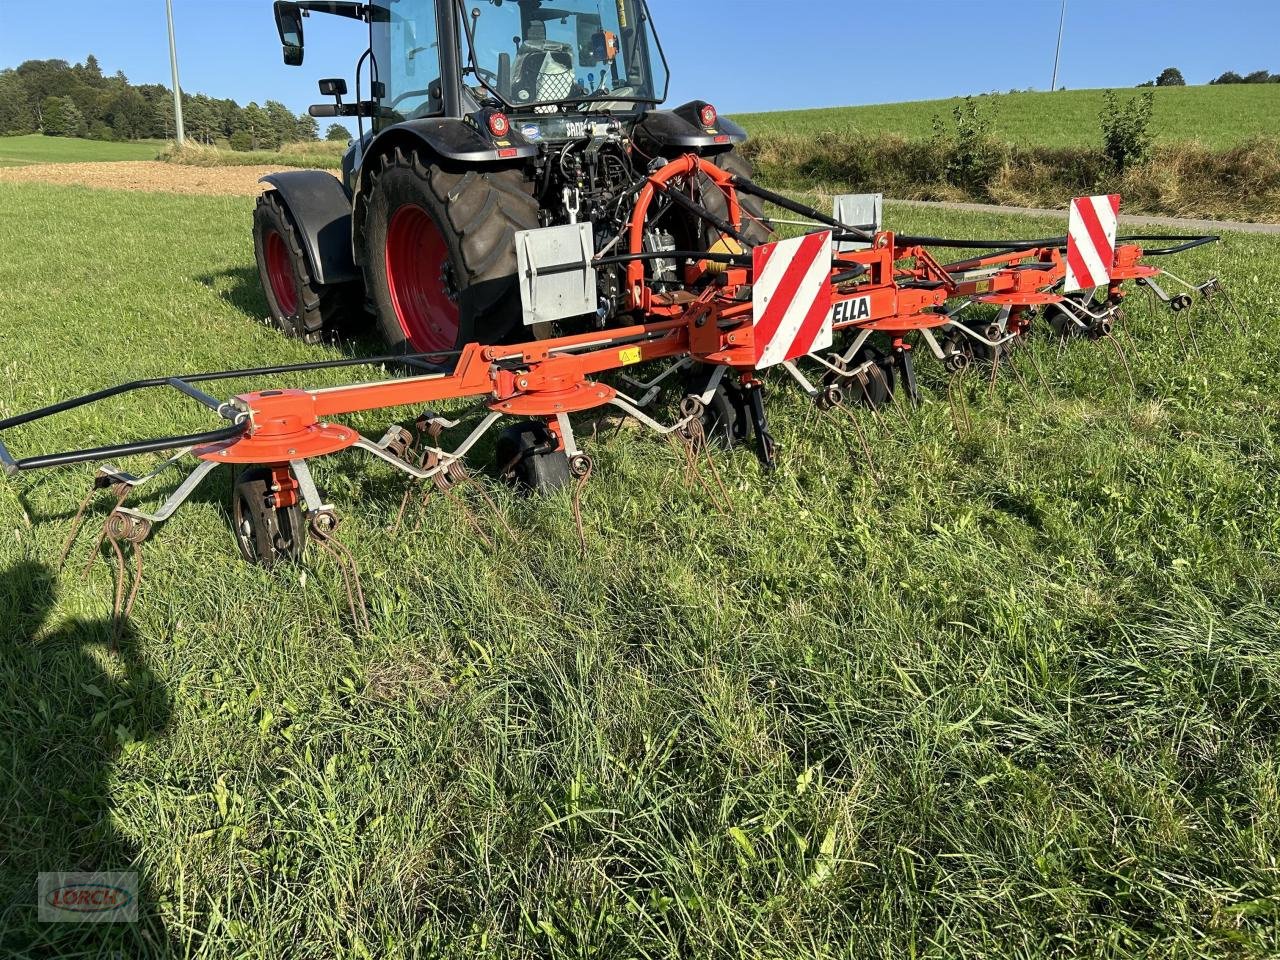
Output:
x,y
849,311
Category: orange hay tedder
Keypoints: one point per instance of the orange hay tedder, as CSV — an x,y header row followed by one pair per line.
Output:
x,y
628,262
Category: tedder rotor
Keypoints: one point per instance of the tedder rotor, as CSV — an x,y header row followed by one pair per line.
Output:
x,y
610,255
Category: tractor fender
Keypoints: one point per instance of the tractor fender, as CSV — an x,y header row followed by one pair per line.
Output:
x,y
438,138
320,206
460,140
682,128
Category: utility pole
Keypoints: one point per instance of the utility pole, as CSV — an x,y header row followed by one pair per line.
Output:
x,y
177,87
1057,56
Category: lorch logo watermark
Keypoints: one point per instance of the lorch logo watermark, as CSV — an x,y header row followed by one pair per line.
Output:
x,y
88,897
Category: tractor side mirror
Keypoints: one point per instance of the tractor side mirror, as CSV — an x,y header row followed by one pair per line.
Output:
x,y
333,88
289,24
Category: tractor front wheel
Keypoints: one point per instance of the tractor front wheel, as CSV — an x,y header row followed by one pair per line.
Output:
x,y
439,252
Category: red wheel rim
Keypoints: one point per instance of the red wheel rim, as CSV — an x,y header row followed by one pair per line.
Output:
x,y
416,262
280,273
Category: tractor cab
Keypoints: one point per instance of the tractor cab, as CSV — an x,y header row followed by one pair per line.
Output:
x,y
527,58
483,122
577,56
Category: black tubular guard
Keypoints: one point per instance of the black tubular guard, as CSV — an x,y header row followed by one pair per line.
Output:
x,y
419,363
320,208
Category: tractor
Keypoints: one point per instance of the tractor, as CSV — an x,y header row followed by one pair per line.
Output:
x,y
477,124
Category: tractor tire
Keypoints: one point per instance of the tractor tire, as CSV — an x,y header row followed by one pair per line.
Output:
x,y
299,306
439,252
755,225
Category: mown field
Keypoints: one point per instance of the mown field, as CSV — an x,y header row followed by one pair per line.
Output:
x,y
1011,688
36,148
318,155
1218,116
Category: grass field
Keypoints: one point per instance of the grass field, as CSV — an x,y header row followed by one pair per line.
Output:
x,y
1012,689
36,148
1219,116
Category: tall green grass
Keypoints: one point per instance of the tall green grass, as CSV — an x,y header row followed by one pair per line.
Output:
x,y
318,155
1182,180
1010,689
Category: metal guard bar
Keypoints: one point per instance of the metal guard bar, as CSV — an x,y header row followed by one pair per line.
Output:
x,y
98,454
12,466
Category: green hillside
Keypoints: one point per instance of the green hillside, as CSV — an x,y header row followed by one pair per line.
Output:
x,y
35,148
1219,116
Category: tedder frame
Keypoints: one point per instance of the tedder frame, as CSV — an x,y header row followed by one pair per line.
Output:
x,y
809,305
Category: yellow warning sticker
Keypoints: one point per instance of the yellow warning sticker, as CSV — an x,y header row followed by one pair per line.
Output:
x,y
982,286
630,356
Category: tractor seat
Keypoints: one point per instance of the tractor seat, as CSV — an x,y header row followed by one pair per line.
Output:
x,y
543,71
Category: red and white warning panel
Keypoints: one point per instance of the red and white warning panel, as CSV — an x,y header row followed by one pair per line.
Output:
x,y
792,298
1091,242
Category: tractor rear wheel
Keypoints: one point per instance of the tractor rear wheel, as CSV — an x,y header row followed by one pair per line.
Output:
x,y
755,225
439,252
299,306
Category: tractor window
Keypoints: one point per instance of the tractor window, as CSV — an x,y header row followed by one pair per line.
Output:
x,y
548,54
408,57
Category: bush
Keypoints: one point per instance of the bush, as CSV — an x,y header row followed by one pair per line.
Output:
x,y
1126,134
241,141
1171,77
973,156
337,133
100,131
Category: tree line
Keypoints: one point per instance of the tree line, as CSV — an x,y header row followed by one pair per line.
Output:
x,y
1172,77
1258,76
61,99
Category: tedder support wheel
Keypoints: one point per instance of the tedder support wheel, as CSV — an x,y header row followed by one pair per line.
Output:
x,y
265,533
299,306
874,388
755,225
439,252
526,456
724,418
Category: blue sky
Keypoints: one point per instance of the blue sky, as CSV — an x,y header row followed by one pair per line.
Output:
x,y
782,53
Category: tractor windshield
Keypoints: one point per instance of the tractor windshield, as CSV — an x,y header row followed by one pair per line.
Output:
x,y
581,54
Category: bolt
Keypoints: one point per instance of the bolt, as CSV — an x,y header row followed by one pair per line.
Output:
x,y
292,452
